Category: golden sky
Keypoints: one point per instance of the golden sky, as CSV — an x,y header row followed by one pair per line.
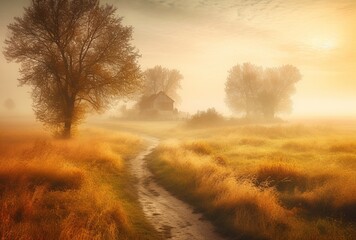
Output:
x,y
205,38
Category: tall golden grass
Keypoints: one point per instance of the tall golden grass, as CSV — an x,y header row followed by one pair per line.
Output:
x,y
266,182
56,189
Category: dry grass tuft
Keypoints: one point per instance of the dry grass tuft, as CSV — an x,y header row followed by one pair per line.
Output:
x,y
276,131
203,148
334,198
32,176
282,176
347,147
256,142
297,146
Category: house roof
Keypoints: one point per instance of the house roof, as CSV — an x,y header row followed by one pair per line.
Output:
x,y
162,93
148,100
153,97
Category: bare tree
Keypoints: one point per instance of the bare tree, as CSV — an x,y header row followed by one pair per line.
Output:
x,y
76,56
242,88
158,79
252,90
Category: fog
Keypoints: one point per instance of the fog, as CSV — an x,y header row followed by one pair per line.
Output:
x,y
204,39
243,109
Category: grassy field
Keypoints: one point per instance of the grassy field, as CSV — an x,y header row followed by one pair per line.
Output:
x,y
75,189
287,181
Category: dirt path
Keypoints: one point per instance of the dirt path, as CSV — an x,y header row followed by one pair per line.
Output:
x,y
173,218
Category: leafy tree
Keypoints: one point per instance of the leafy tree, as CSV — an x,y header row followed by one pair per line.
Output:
x,y
254,90
277,88
158,79
75,55
242,87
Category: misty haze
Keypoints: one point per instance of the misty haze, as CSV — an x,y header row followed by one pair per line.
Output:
x,y
162,119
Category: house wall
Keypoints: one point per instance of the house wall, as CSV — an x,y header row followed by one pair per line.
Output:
x,y
163,103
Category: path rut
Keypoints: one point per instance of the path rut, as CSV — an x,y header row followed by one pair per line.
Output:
x,y
173,218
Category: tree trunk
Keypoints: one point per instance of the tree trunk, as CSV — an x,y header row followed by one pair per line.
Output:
x,y
269,114
67,128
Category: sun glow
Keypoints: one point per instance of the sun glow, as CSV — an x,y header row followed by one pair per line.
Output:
x,y
323,43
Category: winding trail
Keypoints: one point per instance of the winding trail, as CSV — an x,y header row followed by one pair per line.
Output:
x,y
173,218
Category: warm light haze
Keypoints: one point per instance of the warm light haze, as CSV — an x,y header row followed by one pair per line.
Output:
x,y
178,119
203,39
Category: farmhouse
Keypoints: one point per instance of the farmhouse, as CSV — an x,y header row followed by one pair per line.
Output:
x,y
159,102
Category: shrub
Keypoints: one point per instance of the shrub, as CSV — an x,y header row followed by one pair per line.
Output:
x,y
209,117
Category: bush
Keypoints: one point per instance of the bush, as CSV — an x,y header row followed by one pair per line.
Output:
x,y
209,117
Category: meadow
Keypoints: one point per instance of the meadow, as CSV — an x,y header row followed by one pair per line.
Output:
x,y
69,189
252,181
276,181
